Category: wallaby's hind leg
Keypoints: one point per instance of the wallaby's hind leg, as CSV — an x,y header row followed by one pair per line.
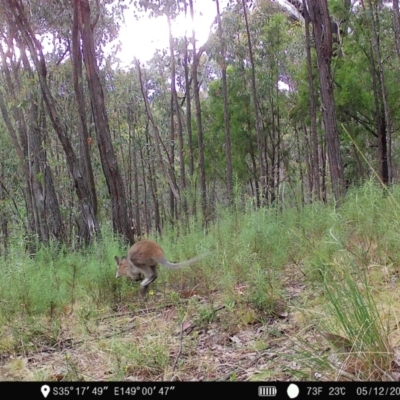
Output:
x,y
138,278
151,275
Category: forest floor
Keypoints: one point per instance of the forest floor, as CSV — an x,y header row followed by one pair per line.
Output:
x,y
147,341
309,294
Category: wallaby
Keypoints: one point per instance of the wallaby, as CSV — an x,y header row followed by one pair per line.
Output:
x,y
143,258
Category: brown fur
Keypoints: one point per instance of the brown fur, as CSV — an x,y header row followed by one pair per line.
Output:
x,y
143,258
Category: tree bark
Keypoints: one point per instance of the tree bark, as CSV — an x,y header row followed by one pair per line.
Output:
x,y
166,172
3,215
120,212
188,108
42,202
17,17
153,185
200,139
396,23
376,47
176,111
259,129
84,139
228,146
315,175
321,21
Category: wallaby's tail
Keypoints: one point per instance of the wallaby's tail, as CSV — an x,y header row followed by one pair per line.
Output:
x,y
170,265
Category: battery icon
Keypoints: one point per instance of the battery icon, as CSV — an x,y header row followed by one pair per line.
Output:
x,y
267,391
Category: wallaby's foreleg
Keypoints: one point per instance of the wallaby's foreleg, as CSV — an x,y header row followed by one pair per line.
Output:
x,y
151,275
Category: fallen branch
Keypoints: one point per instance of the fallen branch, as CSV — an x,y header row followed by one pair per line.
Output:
x,y
180,349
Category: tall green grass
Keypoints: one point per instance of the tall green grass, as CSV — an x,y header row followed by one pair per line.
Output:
x,y
339,253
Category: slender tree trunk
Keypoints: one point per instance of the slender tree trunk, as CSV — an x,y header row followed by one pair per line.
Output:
x,y
380,115
35,48
33,192
228,146
3,214
315,176
308,159
145,194
177,113
188,109
153,186
277,123
174,112
85,140
29,193
134,170
376,47
166,172
322,154
259,130
188,97
319,15
42,200
396,23
200,139
120,211
300,155
380,122
52,206
254,165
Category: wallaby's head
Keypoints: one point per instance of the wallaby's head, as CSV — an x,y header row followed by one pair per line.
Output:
x,y
122,266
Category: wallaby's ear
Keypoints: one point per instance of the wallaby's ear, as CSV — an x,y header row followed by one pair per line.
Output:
x,y
116,260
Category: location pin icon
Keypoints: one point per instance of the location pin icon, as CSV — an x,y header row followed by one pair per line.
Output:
x,y
45,389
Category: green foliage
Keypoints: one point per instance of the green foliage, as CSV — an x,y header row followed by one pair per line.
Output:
x,y
337,250
56,277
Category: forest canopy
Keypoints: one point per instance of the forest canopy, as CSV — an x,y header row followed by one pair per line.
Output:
x,y
287,103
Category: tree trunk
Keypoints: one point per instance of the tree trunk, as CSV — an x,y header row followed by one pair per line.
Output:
x,y
308,160
380,116
145,201
52,212
120,212
228,146
153,186
134,170
396,23
35,48
388,128
188,108
85,140
259,130
166,172
3,215
175,107
196,91
42,199
319,16
315,175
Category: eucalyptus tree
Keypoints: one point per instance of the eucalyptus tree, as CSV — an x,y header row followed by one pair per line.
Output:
x,y
199,123
396,24
228,146
22,110
316,188
170,9
385,141
366,92
19,22
32,22
256,46
322,34
324,27
121,213
257,117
